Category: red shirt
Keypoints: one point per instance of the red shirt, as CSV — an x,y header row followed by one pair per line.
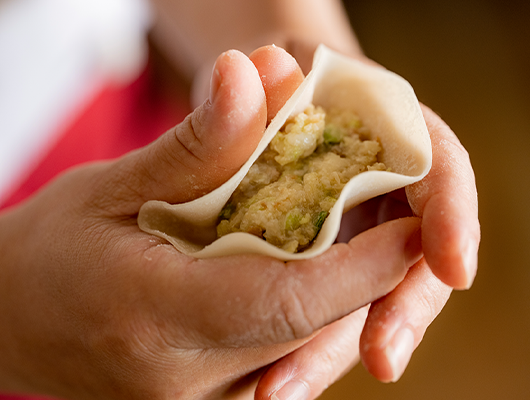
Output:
x,y
117,121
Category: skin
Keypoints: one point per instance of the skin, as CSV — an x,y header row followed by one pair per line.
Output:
x,y
141,320
446,200
192,38
394,325
91,307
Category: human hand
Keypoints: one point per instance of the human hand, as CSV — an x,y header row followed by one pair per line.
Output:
x,y
446,200
91,307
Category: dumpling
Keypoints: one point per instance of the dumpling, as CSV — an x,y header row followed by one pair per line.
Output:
x,y
387,106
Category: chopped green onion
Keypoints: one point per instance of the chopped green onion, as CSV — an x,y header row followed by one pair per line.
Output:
x,y
319,219
227,211
292,221
332,134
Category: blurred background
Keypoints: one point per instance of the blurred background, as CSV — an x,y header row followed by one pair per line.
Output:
x,y
470,62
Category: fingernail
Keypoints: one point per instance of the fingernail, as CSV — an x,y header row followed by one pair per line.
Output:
x,y
469,260
292,390
399,351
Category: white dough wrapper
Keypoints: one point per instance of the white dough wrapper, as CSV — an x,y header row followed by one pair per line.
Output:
x,y
388,107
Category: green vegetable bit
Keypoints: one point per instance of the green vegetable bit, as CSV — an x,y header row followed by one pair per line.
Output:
x,y
292,221
332,134
319,219
227,211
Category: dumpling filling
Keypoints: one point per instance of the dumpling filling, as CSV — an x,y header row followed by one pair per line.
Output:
x,y
290,189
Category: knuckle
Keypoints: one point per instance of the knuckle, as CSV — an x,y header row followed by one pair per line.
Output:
x,y
293,321
455,147
186,135
433,298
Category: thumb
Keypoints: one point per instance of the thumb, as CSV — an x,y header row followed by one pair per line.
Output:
x,y
208,147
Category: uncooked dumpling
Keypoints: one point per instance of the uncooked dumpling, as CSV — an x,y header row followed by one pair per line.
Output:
x,y
387,106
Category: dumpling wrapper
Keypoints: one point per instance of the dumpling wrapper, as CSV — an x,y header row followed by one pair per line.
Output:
x,y
386,104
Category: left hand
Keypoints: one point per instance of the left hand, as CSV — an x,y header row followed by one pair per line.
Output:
x,y
93,308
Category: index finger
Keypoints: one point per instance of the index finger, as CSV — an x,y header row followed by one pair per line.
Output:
x,y
250,301
446,199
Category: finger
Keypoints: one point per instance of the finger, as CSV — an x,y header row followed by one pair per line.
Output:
x,y
447,200
359,219
257,300
280,75
207,148
396,323
393,205
373,212
309,370
214,141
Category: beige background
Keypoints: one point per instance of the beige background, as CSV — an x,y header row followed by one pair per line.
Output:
x,y
470,61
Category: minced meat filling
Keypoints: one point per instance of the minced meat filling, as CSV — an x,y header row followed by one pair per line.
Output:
x,y
289,191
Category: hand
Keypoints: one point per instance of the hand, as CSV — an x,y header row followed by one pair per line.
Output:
x,y
93,308
446,200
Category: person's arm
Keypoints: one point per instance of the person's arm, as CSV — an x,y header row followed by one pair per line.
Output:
x,y
191,33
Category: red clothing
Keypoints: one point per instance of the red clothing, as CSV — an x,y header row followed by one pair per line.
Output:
x,y
117,121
